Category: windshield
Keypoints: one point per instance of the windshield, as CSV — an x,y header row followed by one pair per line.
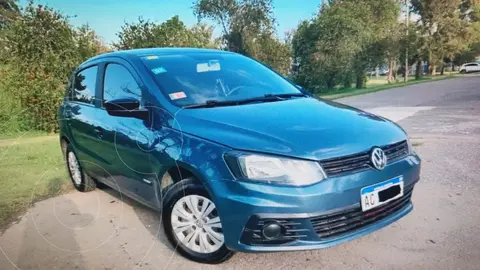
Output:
x,y
191,79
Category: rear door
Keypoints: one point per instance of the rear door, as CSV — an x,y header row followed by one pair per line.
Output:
x,y
476,67
472,67
80,112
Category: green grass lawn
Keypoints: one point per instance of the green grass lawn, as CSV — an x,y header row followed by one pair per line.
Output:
x,y
375,85
25,134
31,169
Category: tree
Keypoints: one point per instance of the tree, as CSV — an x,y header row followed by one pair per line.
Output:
x,y
171,33
344,40
88,43
247,28
8,11
43,49
325,46
269,50
240,20
379,18
42,39
448,27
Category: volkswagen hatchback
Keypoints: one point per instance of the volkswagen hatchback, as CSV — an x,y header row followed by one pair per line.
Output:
x,y
236,157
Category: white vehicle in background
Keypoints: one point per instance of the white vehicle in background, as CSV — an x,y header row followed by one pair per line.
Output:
x,y
470,67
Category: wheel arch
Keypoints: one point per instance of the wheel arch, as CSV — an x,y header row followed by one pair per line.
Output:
x,y
64,142
180,171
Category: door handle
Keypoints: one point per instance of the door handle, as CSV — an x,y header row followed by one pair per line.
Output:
x,y
99,131
68,112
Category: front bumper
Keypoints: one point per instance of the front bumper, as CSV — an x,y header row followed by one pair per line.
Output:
x,y
244,205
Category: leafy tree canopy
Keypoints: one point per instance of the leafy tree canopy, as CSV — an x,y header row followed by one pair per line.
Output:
x,y
247,28
8,10
171,33
40,49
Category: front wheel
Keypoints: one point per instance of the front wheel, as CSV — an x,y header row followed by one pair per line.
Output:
x,y
463,71
192,224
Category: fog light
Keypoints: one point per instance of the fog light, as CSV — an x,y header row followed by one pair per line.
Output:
x,y
272,230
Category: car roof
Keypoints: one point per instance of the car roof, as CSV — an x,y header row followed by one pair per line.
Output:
x,y
136,53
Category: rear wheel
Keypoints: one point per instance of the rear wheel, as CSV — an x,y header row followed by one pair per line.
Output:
x,y
192,224
81,181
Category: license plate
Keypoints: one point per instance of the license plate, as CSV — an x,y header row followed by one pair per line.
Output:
x,y
381,193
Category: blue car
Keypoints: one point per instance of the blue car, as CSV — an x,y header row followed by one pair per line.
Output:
x,y
235,156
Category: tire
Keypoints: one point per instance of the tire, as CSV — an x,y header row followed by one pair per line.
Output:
x,y
463,71
203,249
80,180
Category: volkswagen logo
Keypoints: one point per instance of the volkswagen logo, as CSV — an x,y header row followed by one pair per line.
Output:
x,y
378,158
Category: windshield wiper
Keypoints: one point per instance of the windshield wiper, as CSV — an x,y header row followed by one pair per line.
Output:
x,y
289,95
265,98
210,104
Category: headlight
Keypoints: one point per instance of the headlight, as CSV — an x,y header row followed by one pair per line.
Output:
x,y
410,146
275,170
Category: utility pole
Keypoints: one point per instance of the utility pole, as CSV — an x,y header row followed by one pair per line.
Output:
x,y
407,19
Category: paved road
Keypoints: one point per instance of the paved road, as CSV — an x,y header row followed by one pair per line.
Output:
x,y
102,230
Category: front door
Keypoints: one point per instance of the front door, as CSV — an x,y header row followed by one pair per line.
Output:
x,y
128,140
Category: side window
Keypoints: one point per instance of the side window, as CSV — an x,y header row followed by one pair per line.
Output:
x,y
68,88
119,83
84,85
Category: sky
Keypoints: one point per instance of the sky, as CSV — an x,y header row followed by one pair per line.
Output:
x,y
107,16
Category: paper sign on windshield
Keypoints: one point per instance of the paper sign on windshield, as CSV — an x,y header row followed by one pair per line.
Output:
x,y
212,65
177,95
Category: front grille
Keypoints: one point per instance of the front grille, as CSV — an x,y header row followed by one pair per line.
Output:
x,y
292,229
361,161
338,223
396,151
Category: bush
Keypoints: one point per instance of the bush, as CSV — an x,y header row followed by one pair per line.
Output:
x,y
12,118
43,49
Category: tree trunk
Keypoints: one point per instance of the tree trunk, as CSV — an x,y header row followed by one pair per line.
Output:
x,y
390,71
429,67
360,81
330,83
394,69
433,69
443,69
419,70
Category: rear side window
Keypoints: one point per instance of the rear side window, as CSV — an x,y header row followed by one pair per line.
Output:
x,y
84,85
119,83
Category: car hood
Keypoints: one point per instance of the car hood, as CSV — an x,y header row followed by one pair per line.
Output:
x,y
299,127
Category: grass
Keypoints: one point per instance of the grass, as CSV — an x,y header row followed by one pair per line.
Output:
x,y
29,172
379,85
27,134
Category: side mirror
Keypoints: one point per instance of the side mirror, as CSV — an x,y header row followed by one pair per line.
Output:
x,y
126,107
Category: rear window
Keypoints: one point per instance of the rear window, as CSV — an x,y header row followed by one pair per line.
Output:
x,y
84,85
